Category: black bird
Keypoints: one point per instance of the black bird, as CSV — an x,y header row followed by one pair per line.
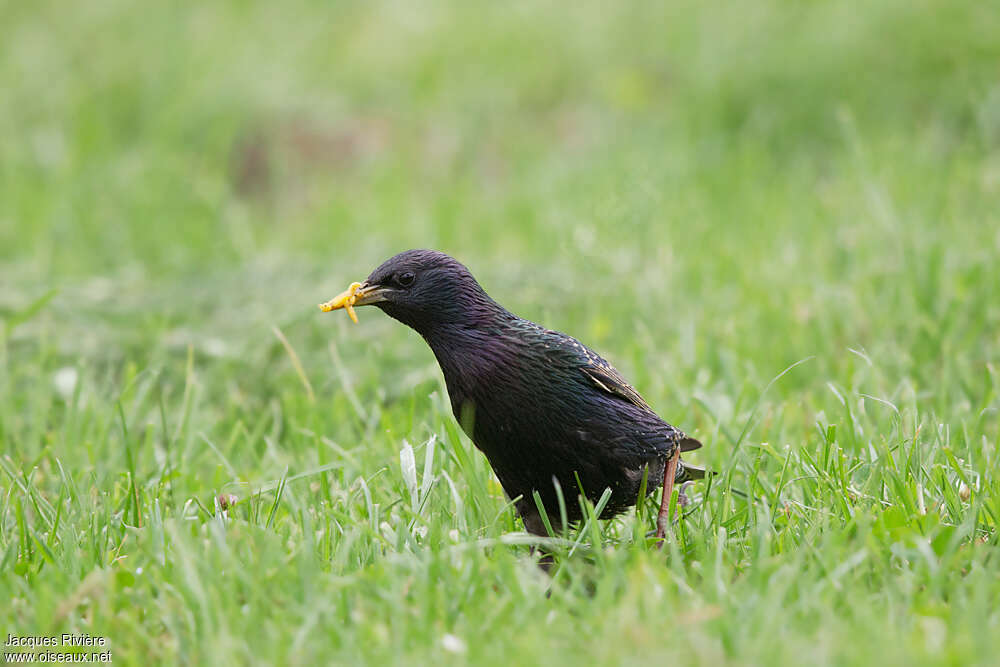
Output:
x,y
541,406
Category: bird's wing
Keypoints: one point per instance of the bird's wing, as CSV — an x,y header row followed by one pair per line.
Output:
x,y
594,366
605,376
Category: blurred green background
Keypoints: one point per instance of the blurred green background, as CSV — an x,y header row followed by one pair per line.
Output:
x,y
706,193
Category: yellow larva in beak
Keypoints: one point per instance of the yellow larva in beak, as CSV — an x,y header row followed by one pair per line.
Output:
x,y
344,300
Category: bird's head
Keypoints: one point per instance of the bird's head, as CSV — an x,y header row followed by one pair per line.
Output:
x,y
423,289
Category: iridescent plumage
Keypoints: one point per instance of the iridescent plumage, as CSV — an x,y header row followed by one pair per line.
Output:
x,y
544,408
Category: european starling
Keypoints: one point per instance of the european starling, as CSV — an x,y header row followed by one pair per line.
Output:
x,y
544,408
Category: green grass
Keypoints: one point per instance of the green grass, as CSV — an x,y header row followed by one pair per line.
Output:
x,y
706,193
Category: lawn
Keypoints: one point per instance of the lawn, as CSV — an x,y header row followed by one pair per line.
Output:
x,y
778,219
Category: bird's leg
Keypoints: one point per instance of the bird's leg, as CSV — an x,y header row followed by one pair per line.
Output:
x,y
533,524
663,518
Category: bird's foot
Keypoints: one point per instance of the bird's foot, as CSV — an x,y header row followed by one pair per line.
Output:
x,y
682,498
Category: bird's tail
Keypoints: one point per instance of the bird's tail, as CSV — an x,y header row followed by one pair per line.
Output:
x,y
689,444
687,472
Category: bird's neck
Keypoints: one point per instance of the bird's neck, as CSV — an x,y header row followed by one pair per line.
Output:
x,y
470,353
467,316
472,336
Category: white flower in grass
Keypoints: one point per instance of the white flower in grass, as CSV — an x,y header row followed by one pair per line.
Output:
x,y
453,644
964,492
65,381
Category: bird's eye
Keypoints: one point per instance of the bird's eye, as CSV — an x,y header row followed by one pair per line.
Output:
x,y
405,279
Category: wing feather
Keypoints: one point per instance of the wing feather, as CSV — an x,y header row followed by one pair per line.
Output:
x,y
610,380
